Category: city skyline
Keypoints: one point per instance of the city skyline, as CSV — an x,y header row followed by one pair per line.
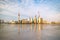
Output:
x,y
48,9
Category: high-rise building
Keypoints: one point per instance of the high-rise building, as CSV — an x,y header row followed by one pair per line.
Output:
x,y
30,20
35,19
18,17
40,20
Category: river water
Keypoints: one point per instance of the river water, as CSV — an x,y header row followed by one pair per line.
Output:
x,y
29,32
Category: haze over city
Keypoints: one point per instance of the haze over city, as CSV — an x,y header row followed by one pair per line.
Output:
x,y
48,9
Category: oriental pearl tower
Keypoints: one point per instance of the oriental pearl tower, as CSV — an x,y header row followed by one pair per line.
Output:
x,y
18,17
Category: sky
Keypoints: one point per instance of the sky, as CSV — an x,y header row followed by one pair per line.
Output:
x,y
48,9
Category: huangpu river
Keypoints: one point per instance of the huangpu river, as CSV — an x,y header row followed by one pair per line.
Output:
x,y
29,32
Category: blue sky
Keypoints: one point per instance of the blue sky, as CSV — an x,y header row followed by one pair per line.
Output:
x,y
48,9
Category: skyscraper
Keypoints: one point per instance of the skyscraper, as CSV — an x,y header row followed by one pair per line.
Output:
x,y
30,20
35,19
40,20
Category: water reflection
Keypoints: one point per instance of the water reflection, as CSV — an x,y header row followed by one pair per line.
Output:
x,y
18,29
29,32
35,27
40,27
29,27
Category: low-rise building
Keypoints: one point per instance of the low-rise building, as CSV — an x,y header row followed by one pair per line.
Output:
x,y
24,21
1,21
12,21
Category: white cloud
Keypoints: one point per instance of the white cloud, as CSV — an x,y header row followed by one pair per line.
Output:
x,y
7,13
27,7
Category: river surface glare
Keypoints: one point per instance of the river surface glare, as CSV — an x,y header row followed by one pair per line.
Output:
x,y
29,32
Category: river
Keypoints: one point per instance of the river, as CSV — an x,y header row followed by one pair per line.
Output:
x,y
29,32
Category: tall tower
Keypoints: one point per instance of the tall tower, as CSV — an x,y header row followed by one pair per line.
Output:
x,y
18,17
38,17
